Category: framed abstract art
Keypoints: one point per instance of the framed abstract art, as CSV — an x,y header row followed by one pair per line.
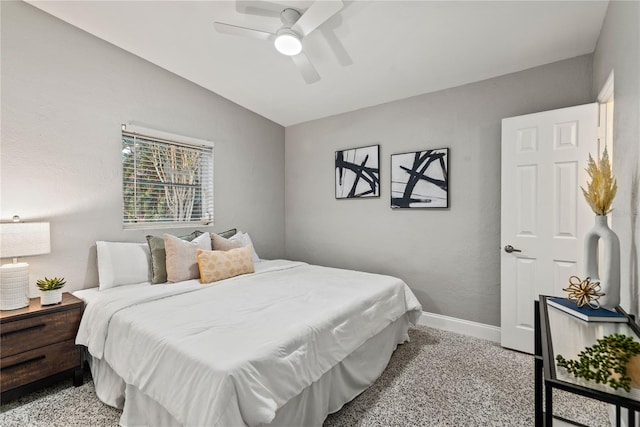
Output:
x,y
420,179
358,172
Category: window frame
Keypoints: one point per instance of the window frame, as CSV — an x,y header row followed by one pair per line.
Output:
x,y
149,134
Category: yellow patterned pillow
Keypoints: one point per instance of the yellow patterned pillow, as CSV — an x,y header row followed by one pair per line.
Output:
x,y
218,265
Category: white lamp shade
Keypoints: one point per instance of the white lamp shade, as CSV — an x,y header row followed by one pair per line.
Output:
x,y
19,239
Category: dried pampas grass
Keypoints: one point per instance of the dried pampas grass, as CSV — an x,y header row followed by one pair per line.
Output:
x,y
603,186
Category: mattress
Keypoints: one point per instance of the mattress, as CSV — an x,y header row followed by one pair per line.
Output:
x,y
243,350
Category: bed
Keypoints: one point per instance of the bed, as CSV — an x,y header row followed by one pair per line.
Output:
x,y
285,345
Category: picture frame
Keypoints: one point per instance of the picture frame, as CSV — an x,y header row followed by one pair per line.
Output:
x,y
357,172
420,179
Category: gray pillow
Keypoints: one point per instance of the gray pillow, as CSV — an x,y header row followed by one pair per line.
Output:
x,y
228,233
159,256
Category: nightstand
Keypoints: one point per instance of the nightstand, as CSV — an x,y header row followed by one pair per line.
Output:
x,y
38,345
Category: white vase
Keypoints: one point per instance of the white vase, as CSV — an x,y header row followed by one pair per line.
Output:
x,y
50,297
608,274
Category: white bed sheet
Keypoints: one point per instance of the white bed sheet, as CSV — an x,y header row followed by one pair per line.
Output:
x,y
87,295
237,351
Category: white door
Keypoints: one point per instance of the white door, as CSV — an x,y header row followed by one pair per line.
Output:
x,y
543,214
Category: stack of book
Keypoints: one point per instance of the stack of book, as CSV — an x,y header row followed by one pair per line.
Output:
x,y
585,312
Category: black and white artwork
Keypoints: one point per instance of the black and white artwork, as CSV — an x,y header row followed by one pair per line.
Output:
x,y
358,172
420,179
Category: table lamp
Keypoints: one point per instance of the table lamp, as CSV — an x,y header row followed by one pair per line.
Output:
x,y
19,239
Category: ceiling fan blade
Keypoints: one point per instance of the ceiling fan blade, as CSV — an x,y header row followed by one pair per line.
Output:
x,y
337,47
308,71
241,31
318,13
260,8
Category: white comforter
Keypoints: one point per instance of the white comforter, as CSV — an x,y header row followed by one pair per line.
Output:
x,y
237,350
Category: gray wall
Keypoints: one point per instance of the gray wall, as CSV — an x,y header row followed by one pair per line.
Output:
x,y
65,94
450,258
618,49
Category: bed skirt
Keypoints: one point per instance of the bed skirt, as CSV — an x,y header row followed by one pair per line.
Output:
x,y
336,387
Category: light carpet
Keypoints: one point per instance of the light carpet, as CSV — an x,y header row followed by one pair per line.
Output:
x,y
437,379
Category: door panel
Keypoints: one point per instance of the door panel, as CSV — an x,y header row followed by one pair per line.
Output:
x,y
543,212
527,183
525,292
565,185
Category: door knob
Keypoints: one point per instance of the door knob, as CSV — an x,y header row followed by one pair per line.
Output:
x,y
508,249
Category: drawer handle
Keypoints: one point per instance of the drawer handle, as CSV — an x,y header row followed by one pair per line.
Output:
x,y
38,326
24,362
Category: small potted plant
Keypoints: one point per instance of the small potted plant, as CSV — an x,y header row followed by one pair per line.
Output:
x,y
613,360
51,290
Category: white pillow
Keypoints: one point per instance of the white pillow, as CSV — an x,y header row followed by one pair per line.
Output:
x,y
246,240
121,263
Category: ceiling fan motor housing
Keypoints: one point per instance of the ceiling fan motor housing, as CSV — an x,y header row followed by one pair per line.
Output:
x,y
287,41
289,17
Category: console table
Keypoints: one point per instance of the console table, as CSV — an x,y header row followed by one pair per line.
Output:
x,y
557,332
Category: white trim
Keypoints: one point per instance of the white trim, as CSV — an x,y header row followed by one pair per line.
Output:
x,y
133,127
166,224
605,116
606,93
460,326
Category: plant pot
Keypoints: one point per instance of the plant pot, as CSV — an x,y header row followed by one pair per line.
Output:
x,y
50,297
633,371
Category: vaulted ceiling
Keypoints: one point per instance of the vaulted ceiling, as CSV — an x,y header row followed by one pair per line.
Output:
x,y
370,53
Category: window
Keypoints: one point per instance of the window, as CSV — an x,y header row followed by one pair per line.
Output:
x,y
167,180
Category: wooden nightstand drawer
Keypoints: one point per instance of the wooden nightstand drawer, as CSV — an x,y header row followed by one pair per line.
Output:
x,y
39,331
36,364
37,345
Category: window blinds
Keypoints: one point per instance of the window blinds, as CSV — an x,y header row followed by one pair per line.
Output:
x,y
165,182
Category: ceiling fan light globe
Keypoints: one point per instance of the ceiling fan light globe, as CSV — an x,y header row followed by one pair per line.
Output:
x,y
288,43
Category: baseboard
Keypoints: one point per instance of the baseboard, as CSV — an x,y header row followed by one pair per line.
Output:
x,y
460,326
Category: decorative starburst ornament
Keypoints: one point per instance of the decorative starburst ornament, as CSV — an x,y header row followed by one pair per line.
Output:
x,y
584,292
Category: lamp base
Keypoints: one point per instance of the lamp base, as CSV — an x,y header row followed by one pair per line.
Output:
x,y
14,286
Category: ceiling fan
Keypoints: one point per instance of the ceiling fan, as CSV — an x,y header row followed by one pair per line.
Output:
x,y
287,39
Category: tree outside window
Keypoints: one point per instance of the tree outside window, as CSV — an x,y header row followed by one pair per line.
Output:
x,y
165,181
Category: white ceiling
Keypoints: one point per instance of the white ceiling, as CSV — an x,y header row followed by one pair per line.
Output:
x,y
397,48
